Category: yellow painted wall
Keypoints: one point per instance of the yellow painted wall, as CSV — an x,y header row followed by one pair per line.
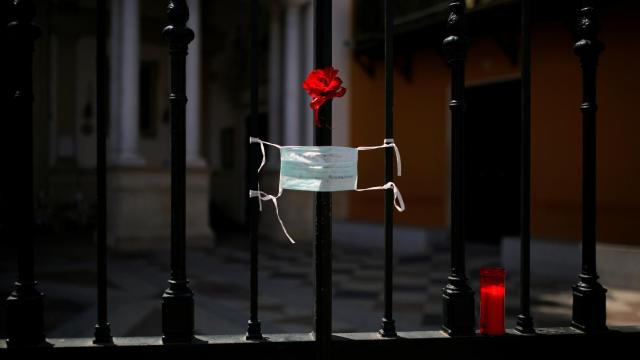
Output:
x,y
420,132
421,118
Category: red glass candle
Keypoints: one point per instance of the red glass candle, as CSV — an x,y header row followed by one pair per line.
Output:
x,y
492,301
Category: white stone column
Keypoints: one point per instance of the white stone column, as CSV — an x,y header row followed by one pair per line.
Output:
x,y
292,72
307,113
342,35
275,73
194,84
114,78
126,88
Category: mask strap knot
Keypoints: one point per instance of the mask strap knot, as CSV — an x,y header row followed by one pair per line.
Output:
x,y
387,143
253,140
262,196
398,202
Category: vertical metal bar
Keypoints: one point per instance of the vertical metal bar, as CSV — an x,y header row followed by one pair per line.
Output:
x,y
323,238
388,323
102,334
589,297
525,321
25,303
458,297
177,300
5,95
254,331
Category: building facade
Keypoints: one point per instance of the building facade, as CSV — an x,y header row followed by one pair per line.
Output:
x,y
492,128
139,129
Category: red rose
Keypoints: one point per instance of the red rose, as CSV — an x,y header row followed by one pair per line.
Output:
x,y
323,85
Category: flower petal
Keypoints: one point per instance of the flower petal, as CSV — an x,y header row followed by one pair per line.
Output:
x,y
323,85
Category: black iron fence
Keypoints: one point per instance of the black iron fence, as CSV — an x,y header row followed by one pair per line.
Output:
x,y
25,332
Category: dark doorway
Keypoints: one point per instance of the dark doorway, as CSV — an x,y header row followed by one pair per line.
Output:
x,y
492,162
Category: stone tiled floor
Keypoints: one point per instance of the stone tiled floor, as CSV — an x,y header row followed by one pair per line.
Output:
x,y
219,278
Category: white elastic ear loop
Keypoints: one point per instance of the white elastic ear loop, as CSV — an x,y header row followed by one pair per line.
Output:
x,y
398,202
266,197
264,158
387,143
253,140
390,142
262,196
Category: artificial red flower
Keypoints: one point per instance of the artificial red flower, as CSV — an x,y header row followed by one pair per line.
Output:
x,y
323,85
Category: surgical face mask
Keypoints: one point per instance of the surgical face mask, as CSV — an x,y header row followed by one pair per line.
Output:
x,y
321,169
318,168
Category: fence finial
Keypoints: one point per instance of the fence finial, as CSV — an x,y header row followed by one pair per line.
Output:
x,y
177,32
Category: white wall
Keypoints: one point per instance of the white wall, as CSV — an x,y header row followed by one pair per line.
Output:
x,y
342,38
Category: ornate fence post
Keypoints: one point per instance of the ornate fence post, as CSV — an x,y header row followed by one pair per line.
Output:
x,y
589,297
458,303
177,300
25,315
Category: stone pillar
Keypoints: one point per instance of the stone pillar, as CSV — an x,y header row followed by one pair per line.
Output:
x,y
194,82
275,74
125,83
198,231
139,195
291,118
292,72
307,114
114,77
